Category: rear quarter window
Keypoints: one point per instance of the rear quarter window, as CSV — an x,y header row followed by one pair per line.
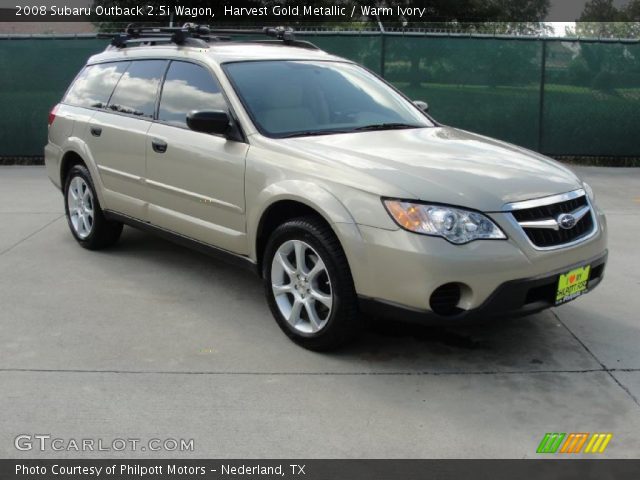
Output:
x,y
94,85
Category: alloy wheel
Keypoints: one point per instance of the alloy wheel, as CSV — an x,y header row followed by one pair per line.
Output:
x,y
301,286
81,207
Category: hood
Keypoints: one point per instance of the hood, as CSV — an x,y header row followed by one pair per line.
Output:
x,y
443,165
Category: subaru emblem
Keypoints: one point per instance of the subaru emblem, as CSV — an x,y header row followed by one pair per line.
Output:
x,y
566,221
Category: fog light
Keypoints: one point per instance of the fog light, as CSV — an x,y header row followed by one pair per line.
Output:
x,y
444,299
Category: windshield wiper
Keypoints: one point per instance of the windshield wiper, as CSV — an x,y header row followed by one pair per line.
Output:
x,y
384,126
377,126
312,133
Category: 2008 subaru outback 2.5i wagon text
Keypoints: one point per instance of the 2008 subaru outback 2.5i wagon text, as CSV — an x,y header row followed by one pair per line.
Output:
x,y
341,193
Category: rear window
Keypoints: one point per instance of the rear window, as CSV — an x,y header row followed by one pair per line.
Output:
x,y
136,91
94,85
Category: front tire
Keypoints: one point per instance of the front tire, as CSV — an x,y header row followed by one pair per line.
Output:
x,y
308,285
85,217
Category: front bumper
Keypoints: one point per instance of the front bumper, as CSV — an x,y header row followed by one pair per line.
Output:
x,y
513,298
400,268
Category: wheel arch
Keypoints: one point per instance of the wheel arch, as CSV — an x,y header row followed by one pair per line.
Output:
x,y
299,199
69,159
76,153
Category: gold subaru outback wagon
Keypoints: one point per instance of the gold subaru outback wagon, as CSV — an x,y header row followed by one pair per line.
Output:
x,y
343,195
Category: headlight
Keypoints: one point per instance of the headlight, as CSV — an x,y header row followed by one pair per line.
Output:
x,y
589,190
456,225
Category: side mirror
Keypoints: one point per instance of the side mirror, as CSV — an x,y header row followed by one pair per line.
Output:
x,y
213,121
424,106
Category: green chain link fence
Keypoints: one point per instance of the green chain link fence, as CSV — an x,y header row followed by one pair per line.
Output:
x,y
557,96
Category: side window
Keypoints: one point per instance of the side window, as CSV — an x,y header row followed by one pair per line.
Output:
x,y
188,87
95,84
136,92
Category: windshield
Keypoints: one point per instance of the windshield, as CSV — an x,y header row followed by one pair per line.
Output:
x,y
299,98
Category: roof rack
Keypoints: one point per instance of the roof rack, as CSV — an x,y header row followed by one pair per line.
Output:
x,y
198,36
282,35
189,34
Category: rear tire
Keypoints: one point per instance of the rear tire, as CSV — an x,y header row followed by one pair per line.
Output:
x,y
86,220
308,285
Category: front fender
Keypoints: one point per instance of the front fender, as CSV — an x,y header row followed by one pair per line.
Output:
x,y
301,191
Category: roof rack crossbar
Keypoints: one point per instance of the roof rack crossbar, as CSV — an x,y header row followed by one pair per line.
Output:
x,y
198,35
291,43
286,35
188,34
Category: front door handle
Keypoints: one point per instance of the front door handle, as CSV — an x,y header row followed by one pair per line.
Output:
x,y
96,131
158,145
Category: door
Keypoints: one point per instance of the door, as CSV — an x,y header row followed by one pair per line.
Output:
x,y
117,136
195,181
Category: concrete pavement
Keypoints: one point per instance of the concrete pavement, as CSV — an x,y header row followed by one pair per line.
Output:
x,y
151,340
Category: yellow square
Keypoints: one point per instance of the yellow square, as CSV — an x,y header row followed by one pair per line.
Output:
x,y
572,284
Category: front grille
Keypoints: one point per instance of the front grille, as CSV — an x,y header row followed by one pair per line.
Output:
x,y
549,211
546,237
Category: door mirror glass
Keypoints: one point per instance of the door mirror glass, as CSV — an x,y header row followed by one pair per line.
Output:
x,y
422,105
212,121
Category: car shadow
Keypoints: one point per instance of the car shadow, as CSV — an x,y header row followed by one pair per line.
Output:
x,y
535,343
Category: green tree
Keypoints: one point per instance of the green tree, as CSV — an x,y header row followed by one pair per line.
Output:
x,y
601,18
600,11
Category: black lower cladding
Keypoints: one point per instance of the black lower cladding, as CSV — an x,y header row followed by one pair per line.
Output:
x,y
511,299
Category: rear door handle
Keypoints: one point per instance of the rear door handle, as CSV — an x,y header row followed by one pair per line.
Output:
x,y
96,131
158,145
